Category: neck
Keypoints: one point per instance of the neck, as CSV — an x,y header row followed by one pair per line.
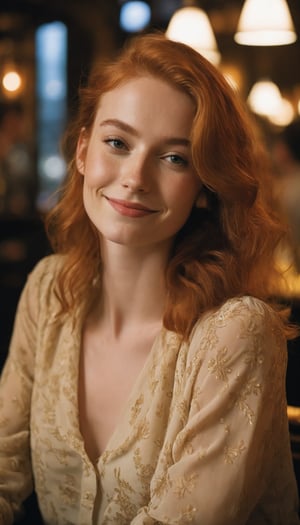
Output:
x,y
133,292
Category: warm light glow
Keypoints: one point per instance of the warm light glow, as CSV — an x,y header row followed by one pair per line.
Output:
x,y
11,81
265,23
285,114
265,99
191,26
231,81
234,75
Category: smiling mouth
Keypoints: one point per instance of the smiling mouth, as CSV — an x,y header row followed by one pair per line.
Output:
x,y
129,208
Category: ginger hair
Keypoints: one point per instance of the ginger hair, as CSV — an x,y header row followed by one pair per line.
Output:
x,y
227,248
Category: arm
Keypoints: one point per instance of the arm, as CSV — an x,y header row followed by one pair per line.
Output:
x,y
231,397
15,398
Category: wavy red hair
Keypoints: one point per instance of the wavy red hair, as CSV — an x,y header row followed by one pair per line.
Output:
x,y
224,250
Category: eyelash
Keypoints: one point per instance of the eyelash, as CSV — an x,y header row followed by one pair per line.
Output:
x,y
173,158
113,141
180,161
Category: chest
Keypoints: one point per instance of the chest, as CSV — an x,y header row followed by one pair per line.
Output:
x,y
141,421
108,372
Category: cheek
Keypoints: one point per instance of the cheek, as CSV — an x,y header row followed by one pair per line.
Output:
x,y
96,172
91,197
86,195
183,194
92,183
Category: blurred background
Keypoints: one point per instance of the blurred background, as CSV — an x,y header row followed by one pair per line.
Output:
x,y
47,48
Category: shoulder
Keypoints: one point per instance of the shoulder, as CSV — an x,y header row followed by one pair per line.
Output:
x,y
241,325
40,286
38,305
246,312
50,264
46,270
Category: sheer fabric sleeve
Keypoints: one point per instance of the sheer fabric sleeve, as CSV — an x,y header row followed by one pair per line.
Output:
x,y
15,397
230,397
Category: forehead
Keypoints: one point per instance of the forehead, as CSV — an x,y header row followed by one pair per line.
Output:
x,y
148,96
145,82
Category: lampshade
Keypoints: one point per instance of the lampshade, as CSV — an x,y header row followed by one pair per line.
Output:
x,y
265,23
191,26
266,100
285,115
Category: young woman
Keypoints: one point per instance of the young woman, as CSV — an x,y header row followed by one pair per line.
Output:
x,y
145,382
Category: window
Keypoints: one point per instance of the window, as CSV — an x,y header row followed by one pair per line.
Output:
x,y
51,89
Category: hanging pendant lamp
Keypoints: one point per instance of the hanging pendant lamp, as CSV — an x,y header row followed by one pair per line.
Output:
x,y
265,23
266,100
190,25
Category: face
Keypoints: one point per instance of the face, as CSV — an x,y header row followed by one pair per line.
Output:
x,y
139,181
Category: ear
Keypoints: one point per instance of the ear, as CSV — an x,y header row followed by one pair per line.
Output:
x,y
81,150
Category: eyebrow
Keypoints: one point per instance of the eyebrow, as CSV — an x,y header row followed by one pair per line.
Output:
x,y
129,129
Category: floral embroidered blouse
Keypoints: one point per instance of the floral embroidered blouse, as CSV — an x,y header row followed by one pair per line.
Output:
x,y
204,438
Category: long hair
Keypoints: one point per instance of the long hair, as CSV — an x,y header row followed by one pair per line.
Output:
x,y
226,248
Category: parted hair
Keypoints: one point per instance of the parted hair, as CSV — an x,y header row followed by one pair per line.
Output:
x,y
227,247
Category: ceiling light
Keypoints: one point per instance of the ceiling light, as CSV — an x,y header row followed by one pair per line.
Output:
x,y
266,100
191,26
11,81
285,115
265,23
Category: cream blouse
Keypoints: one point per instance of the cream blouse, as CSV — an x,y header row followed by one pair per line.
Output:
x,y
204,438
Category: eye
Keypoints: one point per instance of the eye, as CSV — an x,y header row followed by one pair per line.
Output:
x,y
176,160
116,143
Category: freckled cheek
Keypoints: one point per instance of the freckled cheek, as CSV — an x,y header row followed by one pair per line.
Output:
x,y
97,173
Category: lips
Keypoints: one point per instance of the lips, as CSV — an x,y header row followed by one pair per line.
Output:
x,y
129,208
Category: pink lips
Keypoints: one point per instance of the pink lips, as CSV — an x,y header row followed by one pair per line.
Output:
x,y
129,208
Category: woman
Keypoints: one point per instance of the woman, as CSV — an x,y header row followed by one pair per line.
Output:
x,y
146,376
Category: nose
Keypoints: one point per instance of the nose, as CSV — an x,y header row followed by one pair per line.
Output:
x,y
137,175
